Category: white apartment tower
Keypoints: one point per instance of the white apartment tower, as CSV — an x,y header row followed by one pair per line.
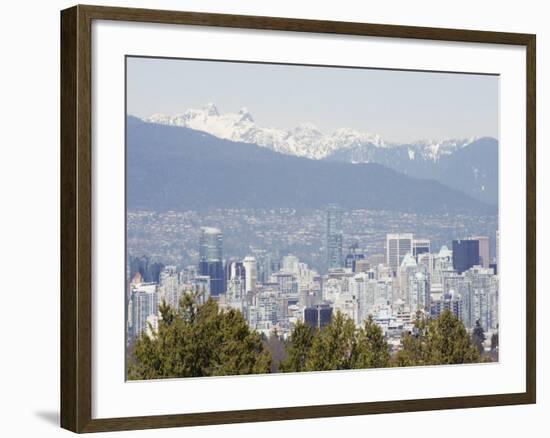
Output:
x,y
250,269
397,245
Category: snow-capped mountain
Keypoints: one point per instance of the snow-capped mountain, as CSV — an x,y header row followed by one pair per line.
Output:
x,y
470,164
178,168
435,149
305,140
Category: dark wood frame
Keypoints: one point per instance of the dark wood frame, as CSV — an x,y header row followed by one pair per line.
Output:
x,y
76,236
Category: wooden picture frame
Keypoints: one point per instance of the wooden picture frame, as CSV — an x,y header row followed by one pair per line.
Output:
x,y
76,217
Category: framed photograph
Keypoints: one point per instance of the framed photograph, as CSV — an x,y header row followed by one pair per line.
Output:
x,y
272,218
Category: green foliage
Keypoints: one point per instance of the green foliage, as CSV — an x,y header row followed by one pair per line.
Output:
x,y
371,349
298,348
333,347
448,341
478,337
494,341
277,348
338,346
438,341
199,340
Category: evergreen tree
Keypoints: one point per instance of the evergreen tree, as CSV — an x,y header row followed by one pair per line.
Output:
x,y
298,348
371,349
198,340
448,342
276,347
414,351
494,341
438,341
333,347
478,337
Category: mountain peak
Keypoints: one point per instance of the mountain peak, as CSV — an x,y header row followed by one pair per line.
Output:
x,y
306,139
434,149
245,115
211,109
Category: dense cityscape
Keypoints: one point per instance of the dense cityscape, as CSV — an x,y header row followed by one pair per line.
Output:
x,y
279,268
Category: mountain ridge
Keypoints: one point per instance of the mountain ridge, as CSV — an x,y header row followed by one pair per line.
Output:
x,y
171,168
304,140
425,158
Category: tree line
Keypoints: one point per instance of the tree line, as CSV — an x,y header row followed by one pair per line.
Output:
x,y
199,340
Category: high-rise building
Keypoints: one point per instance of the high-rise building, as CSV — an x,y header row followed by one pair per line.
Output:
x,y
442,262
236,270
188,274
201,287
290,264
419,292
169,290
420,246
457,287
361,265
318,316
484,286
235,282
446,302
334,237
352,257
210,258
484,250
251,272
465,254
286,282
268,311
263,261
143,305
397,245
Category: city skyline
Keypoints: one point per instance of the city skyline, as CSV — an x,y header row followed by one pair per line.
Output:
x,y
275,294
265,239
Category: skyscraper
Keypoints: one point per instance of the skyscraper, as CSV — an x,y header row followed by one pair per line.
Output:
x,y
235,281
484,258
210,258
419,292
236,270
291,264
318,316
397,245
143,305
251,273
352,257
334,237
465,254
421,246
169,289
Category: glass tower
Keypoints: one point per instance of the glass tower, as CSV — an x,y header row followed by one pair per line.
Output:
x,y
210,258
334,237
465,254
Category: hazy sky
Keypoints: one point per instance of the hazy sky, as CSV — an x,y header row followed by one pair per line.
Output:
x,y
399,105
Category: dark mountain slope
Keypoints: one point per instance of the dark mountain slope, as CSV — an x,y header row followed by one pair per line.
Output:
x,y
179,168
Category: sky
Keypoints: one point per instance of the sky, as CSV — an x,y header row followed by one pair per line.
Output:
x,y
400,106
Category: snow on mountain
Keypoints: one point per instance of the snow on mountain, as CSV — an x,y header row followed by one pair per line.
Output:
x,y
434,149
305,140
